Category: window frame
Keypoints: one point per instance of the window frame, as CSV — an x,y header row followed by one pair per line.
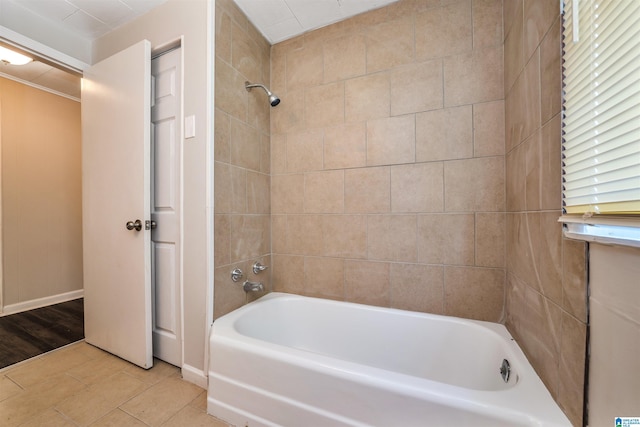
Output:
x,y
605,228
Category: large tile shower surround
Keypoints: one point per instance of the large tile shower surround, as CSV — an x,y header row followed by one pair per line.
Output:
x,y
413,163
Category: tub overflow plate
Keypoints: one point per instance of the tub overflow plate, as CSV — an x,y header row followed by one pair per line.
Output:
x,y
505,370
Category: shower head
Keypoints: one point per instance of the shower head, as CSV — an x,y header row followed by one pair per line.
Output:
x,y
273,99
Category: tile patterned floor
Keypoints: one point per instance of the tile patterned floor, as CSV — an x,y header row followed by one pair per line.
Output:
x,y
80,385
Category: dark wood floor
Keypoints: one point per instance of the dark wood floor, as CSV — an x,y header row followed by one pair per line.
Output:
x,y
30,333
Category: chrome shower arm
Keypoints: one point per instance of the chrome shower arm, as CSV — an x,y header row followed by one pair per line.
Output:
x,y
250,86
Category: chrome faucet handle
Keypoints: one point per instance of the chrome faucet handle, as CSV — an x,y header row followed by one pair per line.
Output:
x,y
252,286
236,274
257,267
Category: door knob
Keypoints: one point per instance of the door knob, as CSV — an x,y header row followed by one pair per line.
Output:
x,y
137,225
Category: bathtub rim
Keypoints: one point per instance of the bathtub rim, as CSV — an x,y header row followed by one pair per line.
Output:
x,y
440,392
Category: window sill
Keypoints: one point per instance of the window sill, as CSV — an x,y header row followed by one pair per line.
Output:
x,y
605,230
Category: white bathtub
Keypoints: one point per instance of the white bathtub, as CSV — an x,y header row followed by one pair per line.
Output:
x,y
288,360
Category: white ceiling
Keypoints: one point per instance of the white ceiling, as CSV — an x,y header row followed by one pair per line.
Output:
x,y
44,75
279,20
89,19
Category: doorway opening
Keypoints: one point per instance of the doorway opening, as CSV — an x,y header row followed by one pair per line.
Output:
x,y
165,199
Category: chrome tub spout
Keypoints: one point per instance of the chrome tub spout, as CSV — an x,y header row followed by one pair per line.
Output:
x,y
252,286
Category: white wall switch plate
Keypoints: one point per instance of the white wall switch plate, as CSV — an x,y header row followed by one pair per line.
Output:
x,y
189,127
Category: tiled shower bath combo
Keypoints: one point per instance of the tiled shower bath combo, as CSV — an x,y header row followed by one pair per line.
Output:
x,y
412,164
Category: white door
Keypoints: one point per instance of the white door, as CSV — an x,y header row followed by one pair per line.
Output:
x,y
116,179
166,103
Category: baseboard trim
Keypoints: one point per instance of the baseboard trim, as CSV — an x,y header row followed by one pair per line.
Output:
x,y
195,376
41,302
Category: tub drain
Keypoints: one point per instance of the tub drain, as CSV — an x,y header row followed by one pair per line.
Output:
x,y
505,370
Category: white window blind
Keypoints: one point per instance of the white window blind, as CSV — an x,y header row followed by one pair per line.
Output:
x,y
601,124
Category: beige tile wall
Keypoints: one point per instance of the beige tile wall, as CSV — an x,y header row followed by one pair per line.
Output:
x,y
387,159
546,274
242,156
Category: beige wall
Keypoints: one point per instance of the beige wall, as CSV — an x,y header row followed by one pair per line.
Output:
x,y
242,157
41,194
388,160
546,274
614,367
167,23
